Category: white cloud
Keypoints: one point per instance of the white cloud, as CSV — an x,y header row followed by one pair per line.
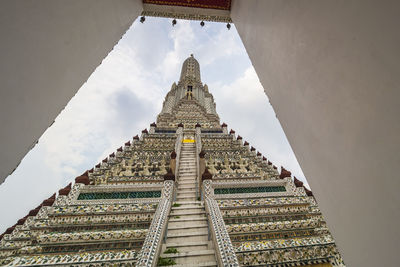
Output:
x,y
244,106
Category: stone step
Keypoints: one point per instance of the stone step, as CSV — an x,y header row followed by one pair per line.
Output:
x,y
186,183
186,175
186,180
186,172
191,186
200,264
185,219
184,198
188,223
189,238
192,236
186,194
192,257
191,215
195,225
188,186
186,229
186,191
187,212
187,206
200,203
188,246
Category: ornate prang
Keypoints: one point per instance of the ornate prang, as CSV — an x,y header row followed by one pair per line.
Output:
x,y
117,213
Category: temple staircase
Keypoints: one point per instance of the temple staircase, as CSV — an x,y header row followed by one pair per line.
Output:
x,y
187,235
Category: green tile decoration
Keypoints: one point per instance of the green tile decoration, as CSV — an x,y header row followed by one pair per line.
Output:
x,y
246,190
119,195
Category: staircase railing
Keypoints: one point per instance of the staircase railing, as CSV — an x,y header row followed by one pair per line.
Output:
x,y
222,242
148,255
178,147
198,149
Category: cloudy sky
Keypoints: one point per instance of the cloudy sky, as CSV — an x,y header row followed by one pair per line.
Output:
x,y
125,94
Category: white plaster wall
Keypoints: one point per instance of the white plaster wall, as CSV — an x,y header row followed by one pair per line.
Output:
x,y
331,69
48,49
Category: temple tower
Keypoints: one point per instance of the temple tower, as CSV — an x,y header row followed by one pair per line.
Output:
x,y
186,192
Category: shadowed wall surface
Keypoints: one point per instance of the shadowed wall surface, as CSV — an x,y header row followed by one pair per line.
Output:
x,y
48,50
331,71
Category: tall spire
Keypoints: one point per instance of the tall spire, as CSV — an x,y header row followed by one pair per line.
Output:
x,y
189,101
190,70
